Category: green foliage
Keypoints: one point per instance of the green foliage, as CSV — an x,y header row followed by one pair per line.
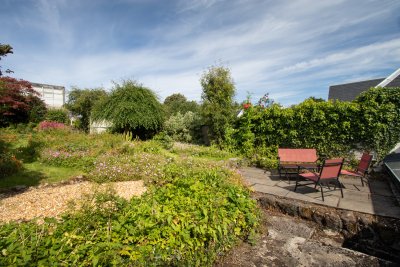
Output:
x,y
178,103
9,164
81,103
181,127
134,108
165,140
37,110
218,107
193,212
333,128
380,119
57,115
4,50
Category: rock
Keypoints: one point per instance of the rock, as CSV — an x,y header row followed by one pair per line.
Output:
x,y
333,221
305,212
19,188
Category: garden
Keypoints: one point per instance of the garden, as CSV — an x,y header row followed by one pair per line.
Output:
x,y
195,206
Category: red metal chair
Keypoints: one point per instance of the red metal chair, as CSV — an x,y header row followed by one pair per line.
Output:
x,y
362,169
329,172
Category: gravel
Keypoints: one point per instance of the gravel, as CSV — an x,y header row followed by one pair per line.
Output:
x,y
51,201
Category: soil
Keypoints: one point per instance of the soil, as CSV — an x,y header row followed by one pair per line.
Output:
x,y
52,200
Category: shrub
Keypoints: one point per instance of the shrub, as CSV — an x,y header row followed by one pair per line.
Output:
x,y
195,216
19,102
131,107
218,108
57,115
50,125
333,128
180,126
9,164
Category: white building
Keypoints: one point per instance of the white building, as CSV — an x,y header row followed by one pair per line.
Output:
x,y
52,95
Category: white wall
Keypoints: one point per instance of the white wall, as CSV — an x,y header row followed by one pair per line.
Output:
x,y
53,96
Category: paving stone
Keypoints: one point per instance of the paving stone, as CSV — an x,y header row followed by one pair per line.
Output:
x,y
356,197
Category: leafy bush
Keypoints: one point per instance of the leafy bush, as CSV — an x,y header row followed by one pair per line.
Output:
x,y
180,126
379,116
131,107
19,102
333,128
57,115
195,216
218,108
9,164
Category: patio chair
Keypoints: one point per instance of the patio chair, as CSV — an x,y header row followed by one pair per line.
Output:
x,y
362,169
329,172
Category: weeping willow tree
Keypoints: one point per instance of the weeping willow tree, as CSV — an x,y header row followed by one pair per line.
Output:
x,y
131,108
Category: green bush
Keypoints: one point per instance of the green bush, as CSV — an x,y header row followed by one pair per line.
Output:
x,y
57,115
195,216
180,127
9,164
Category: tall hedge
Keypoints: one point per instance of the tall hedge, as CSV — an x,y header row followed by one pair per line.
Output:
x,y
333,128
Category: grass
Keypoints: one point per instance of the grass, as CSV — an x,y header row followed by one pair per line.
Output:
x,y
38,173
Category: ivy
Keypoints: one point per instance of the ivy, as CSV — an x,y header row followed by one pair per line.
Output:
x,y
333,128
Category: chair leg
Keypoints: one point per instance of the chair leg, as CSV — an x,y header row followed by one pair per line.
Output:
x,y
322,192
295,187
362,180
340,186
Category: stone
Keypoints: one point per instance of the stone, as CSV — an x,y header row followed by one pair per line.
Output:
x,y
319,217
333,221
349,221
306,212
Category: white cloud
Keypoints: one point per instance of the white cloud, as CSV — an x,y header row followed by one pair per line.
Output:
x,y
292,49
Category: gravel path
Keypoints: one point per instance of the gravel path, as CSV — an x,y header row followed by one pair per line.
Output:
x,y
51,201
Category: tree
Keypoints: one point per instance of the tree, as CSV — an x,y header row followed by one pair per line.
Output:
x,y
131,107
217,108
81,102
178,103
4,50
19,103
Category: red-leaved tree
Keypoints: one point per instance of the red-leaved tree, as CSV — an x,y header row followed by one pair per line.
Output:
x,y
19,102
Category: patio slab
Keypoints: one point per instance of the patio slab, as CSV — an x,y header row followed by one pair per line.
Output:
x,y
380,201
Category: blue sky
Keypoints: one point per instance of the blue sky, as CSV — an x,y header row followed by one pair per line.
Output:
x,y
290,49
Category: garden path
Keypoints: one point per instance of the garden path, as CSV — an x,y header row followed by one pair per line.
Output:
x,y
52,201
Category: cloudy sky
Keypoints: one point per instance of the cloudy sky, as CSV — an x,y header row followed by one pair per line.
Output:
x,y
292,49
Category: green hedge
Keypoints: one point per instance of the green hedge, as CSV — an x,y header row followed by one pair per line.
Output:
x,y
333,128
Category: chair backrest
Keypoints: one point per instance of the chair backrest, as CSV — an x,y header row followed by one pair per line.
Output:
x,y
297,155
333,161
331,169
365,161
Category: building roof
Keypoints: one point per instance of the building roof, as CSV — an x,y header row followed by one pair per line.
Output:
x,y
48,86
349,91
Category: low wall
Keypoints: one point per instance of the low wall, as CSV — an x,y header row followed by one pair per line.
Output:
x,y
371,234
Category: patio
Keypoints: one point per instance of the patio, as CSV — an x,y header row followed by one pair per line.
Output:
x,y
381,201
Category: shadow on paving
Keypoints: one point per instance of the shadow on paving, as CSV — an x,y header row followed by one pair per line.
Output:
x,y
369,220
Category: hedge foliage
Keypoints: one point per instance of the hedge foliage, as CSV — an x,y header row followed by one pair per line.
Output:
x,y
333,128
